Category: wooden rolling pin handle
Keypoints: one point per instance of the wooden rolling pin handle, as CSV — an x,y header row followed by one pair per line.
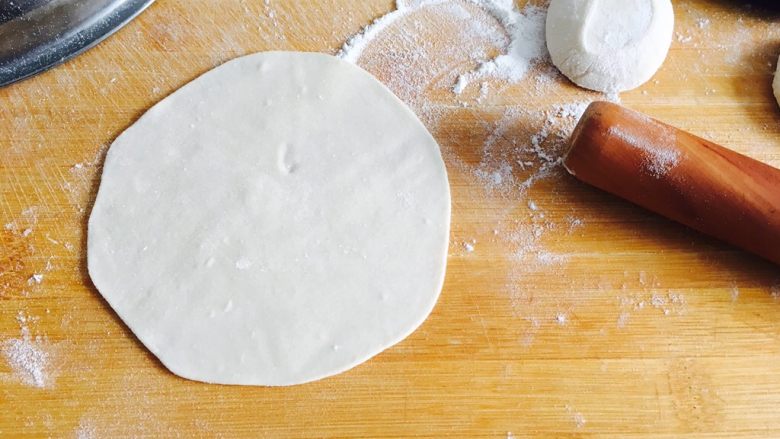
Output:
x,y
680,176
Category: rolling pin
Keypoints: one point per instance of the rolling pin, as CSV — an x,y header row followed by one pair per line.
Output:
x,y
680,176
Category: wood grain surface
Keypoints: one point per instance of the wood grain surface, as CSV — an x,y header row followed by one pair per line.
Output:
x,y
566,312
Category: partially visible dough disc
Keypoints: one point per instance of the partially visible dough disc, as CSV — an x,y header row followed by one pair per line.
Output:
x,y
776,83
609,45
278,220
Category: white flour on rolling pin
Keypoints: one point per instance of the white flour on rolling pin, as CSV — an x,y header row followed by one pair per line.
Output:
x,y
659,160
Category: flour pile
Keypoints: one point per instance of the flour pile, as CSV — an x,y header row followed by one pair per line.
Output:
x,y
524,29
27,356
526,43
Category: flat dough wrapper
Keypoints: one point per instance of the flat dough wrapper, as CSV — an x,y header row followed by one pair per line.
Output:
x,y
280,219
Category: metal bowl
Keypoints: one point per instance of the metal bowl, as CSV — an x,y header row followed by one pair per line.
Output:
x,y
36,35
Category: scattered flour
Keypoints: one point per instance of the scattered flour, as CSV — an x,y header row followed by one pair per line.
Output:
x,y
658,301
526,48
623,319
509,162
354,47
28,360
734,293
86,430
524,29
28,357
579,420
547,258
683,39
775,291
401,49
573,110
653,296
577,417
574,223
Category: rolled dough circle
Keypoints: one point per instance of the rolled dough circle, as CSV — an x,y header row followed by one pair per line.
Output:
x,y
278,220
609,45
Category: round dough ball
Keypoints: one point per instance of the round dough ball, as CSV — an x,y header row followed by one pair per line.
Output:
x,y
278,220
609,45
776,83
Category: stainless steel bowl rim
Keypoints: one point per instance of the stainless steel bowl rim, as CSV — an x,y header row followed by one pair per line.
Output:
x,y
36,35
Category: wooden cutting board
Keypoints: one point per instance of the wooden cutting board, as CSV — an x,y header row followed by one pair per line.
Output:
x,y
566,312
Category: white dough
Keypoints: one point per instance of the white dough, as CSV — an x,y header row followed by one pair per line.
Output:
x,y
609,45
280,219
776,83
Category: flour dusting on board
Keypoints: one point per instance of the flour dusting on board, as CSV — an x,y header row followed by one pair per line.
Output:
x,y
86,430
28,356
493,44
526,43
524,29
354,47
443,58
577,417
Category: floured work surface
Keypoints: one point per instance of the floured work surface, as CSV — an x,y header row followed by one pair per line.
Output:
x,y
565,310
